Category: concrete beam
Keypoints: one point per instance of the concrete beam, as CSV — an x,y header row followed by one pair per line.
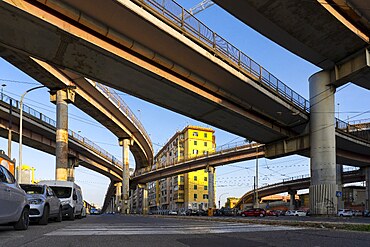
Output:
x,y
355,69
287,147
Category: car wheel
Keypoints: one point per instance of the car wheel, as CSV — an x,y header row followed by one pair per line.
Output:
x,y
71,215
60,215
45,216
262,215
80,215
243,215
24,220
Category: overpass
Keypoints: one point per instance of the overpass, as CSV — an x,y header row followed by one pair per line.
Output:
x,y
39,133
291,185
169,65
333,35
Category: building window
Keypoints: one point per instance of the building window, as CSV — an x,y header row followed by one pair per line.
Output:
x,y
205,187
195,143
181,187
195,151
195,178
205,135
205,144
182,178
195,133
205,196
205,178
195,186
195,196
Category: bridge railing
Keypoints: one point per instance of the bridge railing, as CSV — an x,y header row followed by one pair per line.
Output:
x,y
232,147
358,128
120,104
177,16
73,135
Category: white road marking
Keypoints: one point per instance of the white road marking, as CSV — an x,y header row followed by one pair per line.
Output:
x,y
131,229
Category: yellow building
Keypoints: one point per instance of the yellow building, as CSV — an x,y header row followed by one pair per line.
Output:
x,y
186,191
231,202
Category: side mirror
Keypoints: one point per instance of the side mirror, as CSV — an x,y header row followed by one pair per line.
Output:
x,y
74,197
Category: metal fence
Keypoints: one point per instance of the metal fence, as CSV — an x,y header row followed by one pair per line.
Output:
x,y
120,104
32,113
175,15
358,128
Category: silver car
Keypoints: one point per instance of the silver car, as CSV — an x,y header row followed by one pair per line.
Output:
x,y
14,209
43,202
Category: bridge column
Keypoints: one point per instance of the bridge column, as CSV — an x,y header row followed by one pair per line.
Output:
x,y
292,194
125,143
61,98
211,187
144,202
367,178
131,199
324,182
118,197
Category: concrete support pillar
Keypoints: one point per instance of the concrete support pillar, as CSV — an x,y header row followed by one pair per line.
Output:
x,y
118,197
324,182
61,150
211,188
131,199
144,202
125,209
292,194
367,177
137,201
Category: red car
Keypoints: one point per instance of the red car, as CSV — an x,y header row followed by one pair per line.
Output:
x,y
254,212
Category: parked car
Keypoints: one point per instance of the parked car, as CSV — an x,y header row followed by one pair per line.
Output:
x,y
254,212
296,213
345,213
44,204
357,213
172,212
272,213
94,211
14,209
70,196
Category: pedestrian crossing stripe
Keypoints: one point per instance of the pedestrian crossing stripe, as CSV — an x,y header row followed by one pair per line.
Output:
x,y
131,229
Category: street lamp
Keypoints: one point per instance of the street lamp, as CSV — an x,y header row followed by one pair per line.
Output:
x,y
21,131
219,199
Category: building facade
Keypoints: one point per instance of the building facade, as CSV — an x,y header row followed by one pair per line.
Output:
x,y
185,191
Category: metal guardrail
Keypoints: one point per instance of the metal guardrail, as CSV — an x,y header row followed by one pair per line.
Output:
x,y
356,128
177,16
73,135
220,150
120,104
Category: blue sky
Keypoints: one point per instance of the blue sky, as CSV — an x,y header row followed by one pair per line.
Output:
x,y
234,179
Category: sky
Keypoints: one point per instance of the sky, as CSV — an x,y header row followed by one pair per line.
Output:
x,y
232,180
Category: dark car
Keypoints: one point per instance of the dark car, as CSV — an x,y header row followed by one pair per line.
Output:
x,y
254,212
272,213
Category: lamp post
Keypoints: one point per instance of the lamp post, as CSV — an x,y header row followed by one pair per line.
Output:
x,y
219,199
21,131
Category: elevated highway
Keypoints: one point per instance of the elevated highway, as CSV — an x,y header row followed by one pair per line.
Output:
x,y
96,100
300,183
332,34
167,65
39,133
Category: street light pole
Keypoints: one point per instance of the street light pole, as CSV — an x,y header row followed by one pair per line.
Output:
x,y
257,202
19,177
219,199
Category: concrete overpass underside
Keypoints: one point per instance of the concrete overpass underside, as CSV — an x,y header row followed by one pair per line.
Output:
x,y
90,100
332,34
160,65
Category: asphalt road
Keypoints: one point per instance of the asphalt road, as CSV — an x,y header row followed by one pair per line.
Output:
x,y
118,230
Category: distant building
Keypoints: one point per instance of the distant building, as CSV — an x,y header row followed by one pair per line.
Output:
x,y
185,191
231,202
28,175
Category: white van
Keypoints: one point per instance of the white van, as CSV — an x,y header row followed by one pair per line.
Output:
x,y
70,196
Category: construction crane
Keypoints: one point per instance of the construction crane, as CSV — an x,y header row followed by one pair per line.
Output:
x,y
201,6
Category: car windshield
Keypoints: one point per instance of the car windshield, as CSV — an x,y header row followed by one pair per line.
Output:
x,y
33,189
62,192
